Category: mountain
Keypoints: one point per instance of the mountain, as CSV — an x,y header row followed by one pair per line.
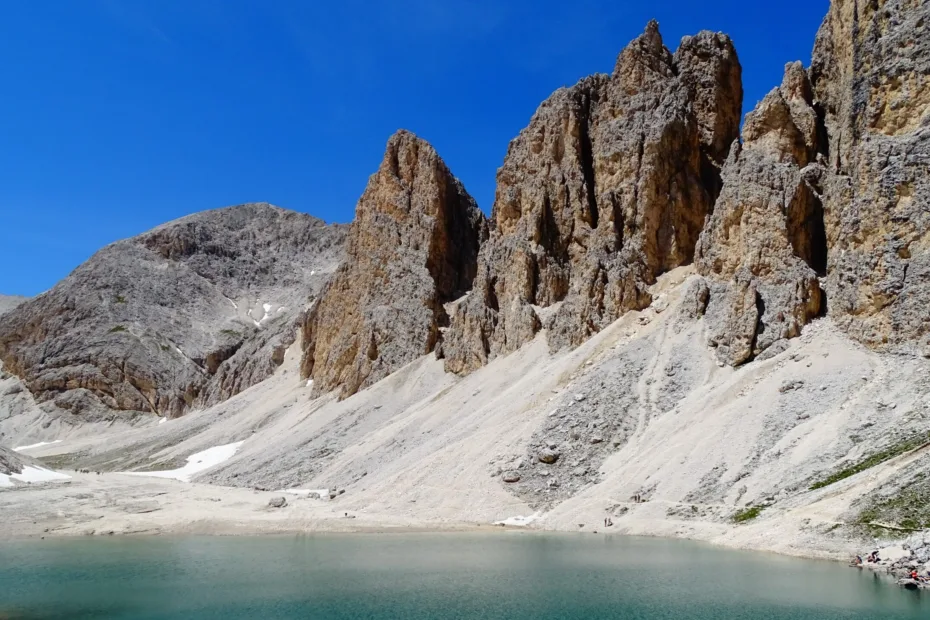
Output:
x,y
182,316
692,330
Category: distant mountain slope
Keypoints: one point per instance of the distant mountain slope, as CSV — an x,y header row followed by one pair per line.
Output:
x,y
8,302
186,314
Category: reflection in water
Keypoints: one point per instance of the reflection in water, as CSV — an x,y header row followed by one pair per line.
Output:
x,y
499,575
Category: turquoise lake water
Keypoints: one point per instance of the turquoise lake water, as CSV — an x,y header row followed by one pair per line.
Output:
x,y
417,576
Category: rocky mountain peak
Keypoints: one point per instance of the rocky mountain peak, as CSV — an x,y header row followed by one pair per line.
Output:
x,y
606,188
784,124
412,248
708,65
184,315
644,60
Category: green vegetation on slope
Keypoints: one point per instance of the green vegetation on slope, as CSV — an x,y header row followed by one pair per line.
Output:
x,y
747,514
908,509
876,459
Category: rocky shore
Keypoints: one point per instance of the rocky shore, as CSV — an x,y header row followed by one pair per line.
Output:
x,y
900,561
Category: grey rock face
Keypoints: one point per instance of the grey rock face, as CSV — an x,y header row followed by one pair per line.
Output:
x,y
764,245
605,189
187,314
871,76
412,248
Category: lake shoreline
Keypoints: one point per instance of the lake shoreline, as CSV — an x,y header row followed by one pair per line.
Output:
x,y
119,505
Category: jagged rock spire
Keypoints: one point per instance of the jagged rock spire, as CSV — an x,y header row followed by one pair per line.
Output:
x,y
606,188
412,248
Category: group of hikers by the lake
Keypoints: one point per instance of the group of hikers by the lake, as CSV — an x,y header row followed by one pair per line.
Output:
x,y
918,576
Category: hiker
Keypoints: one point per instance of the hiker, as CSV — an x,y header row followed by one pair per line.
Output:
x,y
610,522
857,561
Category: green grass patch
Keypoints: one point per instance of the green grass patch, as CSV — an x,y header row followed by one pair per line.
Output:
x,y
908,509
876,459
119,299
231,332
747,514
118,328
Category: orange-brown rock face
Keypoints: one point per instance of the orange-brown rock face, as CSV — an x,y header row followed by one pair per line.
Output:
x,y
871,77
412,248
764,245
607,188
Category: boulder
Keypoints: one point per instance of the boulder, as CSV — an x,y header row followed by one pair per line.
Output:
x,y
277,502
548,455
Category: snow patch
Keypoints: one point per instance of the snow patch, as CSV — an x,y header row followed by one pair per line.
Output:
x,y
196,463
163,420
32,474
234,304
35,445
309,382
519,521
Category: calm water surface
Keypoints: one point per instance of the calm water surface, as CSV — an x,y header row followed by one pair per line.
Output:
x,y
501,575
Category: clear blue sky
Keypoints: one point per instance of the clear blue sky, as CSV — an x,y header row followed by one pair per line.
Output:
x,y
119,115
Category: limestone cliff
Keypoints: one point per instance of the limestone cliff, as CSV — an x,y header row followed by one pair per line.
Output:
x,y
606,188
871,78
412,248
764,245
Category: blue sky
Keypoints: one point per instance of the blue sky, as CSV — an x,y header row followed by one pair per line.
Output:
x,y
119,115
